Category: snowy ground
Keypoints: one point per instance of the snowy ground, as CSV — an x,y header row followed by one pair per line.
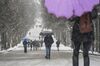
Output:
x,y
16,57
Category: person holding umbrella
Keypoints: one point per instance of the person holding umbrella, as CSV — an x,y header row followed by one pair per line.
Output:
x,y
48,43
82,34
82,30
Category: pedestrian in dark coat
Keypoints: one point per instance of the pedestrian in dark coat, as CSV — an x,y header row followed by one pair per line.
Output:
x,y
82,35
57,44
25,42
31,45
48,42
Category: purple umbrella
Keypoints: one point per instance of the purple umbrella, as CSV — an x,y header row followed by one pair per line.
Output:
x,y
70,8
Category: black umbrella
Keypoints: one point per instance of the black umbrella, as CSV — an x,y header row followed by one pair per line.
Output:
x,y
46,33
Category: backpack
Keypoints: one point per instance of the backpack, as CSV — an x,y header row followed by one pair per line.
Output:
x,y
25,42
85,24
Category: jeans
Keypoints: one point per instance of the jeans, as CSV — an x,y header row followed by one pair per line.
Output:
x,y
86,47
48,50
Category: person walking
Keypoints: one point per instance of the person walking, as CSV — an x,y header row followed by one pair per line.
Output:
x,y
48,40
82,34
31,45
36,44
58,44
25,42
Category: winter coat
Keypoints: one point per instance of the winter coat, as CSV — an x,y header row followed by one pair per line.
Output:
x,y
58,43
25,42
78,36
85,23
48,40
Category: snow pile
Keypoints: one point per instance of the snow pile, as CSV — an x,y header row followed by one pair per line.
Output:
x,y
18,47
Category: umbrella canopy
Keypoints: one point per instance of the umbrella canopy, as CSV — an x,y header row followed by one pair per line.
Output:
x,y
69,8
43,33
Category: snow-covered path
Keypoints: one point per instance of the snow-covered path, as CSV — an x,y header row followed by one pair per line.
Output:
x,y
17,57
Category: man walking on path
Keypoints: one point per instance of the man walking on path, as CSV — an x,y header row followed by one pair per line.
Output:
x,y
48,42
57,44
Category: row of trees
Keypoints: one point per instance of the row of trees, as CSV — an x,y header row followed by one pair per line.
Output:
x,y
17,16
15,21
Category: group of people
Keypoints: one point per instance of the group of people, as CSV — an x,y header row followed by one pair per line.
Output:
x,y
48,40
82,33
31,44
